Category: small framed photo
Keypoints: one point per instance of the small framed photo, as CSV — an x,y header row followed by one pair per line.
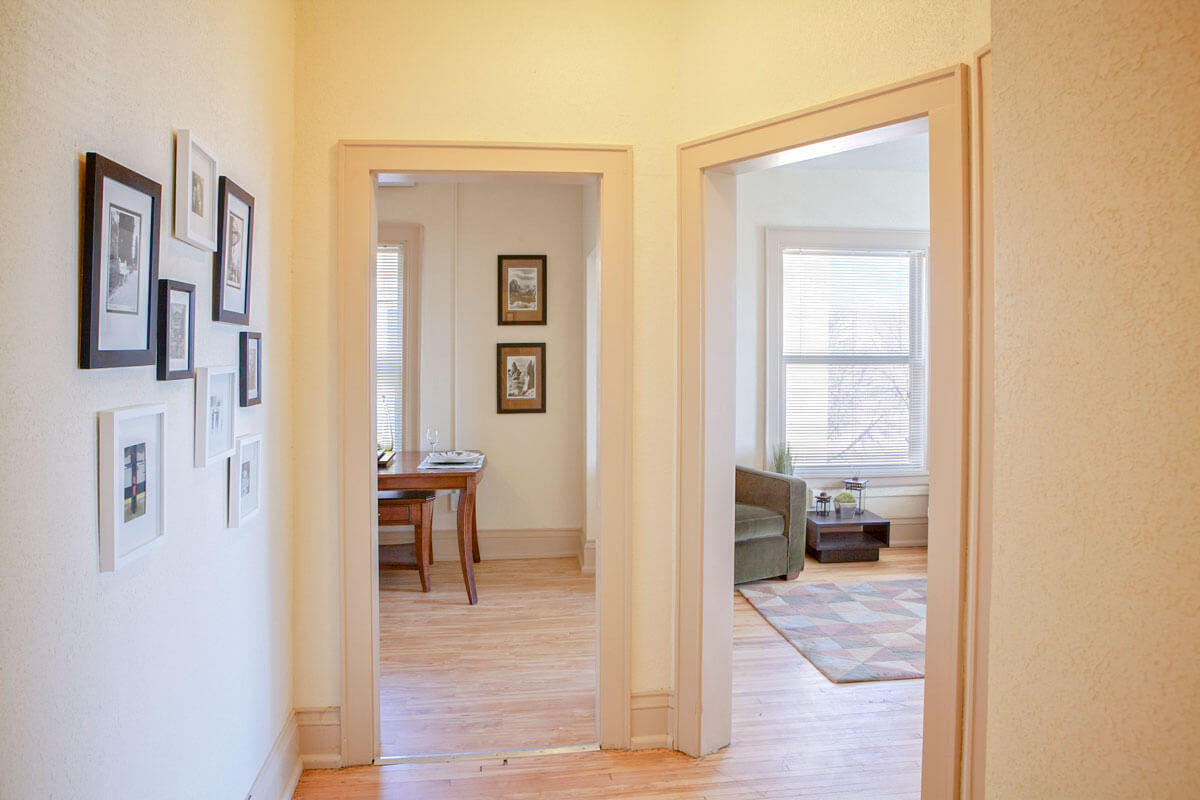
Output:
x,y
195,192
176,330
521,378
231,262
521,290
250,385
118,297
132,483
216,396
245,477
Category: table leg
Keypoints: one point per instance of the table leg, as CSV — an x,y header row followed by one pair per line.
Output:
x,y
466,513
474,528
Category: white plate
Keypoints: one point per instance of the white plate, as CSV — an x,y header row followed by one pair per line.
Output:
x,y
452,457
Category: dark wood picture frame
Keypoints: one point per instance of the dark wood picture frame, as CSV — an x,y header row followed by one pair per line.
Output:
x,y
244,372
165,288
227,250
509,309
93,295
534,399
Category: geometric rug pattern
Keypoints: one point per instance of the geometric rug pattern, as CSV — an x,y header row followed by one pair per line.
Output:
x,y
861,631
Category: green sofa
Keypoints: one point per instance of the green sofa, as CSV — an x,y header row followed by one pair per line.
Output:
x,y
769,519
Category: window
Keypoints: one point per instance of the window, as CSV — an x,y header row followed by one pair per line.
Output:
x,y
847,350
396,349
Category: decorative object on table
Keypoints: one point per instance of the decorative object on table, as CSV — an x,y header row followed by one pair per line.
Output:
x,y
432,437
452,460
250,357
176,330
844,503
521,290
822,500
781,459
195,192
384,457
851,632
118,272
858,487
521,378
231,262
245,479
216,396
132,481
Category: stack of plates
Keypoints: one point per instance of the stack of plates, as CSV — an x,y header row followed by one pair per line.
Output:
x,y
453,459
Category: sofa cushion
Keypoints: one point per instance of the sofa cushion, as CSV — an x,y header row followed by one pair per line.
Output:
x,y
755,522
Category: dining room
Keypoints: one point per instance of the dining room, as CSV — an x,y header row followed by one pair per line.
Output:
x,y
485,374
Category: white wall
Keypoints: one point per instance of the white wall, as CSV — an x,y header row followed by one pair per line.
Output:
x,y
535,477
172,677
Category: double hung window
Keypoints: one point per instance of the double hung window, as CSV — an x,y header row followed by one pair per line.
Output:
x,y
396,350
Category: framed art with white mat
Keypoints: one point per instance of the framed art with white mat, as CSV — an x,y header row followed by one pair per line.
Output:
x,y
216,398
250,356
195,192
235,246
176,330
245,479
132,483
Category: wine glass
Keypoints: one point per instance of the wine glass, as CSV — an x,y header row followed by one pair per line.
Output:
x,y
431,437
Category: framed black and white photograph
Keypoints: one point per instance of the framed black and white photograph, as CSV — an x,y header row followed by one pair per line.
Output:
x,y
132,483
521,289
195,192
521,378
250,385
118,300
176,330
216,397
231,262
245,480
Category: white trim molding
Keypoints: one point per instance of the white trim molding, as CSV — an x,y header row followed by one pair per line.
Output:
x,y
320,737
651,720
587,553
280,773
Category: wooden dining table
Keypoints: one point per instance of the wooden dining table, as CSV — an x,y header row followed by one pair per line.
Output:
x,y
403,474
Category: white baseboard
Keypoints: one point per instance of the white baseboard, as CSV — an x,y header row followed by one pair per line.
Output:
x,y
651,720
320,737
281,771
587,553
910,531
497,545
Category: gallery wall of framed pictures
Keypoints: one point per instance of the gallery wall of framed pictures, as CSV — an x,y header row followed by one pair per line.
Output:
x,y
128,317
521,366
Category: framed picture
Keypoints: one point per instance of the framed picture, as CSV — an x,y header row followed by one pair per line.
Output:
x,y
250,385
216,396
118,267
245,476
195,192
231,262
176,330
521,378
132,483
521,290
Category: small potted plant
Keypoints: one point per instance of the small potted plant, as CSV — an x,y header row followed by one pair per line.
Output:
x,y
844,502
782,460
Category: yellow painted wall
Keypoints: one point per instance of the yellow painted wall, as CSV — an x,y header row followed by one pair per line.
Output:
x,y
171,677
1094,690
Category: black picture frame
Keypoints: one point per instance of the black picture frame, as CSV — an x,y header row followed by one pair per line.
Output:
x,y
515,309
136,231
232,260
169,326
526,399
249,369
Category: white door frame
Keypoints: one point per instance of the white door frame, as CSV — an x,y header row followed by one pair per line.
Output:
x,y
707,199
357,162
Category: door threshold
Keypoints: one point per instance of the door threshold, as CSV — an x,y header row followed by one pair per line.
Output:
x,y
382,761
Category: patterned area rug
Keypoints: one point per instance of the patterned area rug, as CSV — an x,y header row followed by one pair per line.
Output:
x,y
866,631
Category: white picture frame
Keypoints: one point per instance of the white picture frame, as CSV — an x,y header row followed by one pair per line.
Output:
x,y
132,483
196,177
216,401
245,479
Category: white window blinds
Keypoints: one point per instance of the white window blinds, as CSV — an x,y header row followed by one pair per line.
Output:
x,y
853,352
389,346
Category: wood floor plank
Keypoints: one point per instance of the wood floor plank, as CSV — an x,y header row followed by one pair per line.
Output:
x,y
795,734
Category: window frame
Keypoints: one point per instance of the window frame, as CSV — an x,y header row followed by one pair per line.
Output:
x,y
778,239
408,236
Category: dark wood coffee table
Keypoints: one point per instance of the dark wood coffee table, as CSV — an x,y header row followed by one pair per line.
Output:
x,y
853,537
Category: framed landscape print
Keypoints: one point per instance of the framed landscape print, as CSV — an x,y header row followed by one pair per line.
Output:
x,y
195,192
521,290
521,378
132,483
118,281
176,330
231,262
216,396
250,385
245,479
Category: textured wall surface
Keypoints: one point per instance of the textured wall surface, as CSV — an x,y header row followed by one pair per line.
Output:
x,y
172,677
1094,691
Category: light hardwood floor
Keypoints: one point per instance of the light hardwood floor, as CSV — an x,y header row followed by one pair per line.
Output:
x,y
795,734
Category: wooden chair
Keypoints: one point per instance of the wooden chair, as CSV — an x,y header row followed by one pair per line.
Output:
x,y
409,508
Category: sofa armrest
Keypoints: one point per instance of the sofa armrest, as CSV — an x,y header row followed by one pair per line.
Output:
x,y
783,494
